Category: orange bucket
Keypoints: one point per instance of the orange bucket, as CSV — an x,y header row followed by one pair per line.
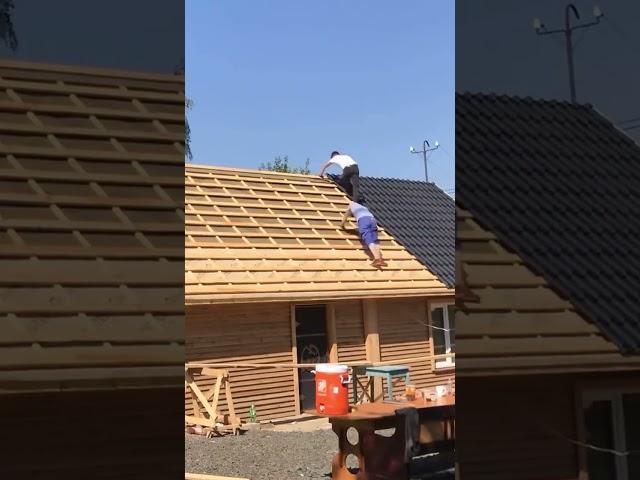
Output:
x,y
332,389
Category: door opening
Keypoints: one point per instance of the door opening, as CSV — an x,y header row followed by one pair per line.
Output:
x,y
312,344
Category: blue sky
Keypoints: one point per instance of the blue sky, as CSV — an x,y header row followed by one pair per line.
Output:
x,y
299,78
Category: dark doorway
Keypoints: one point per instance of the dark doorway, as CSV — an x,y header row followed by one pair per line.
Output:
x,y
312,344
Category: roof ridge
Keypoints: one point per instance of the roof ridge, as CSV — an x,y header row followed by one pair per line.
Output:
x,y
409,180
247,170
91,71
525,99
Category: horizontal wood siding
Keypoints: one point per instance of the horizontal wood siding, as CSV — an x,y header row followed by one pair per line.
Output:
x,y
503,428
519,324
259,333
404,333
350,334
125,434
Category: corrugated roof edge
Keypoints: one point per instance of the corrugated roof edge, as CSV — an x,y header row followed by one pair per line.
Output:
x,y
90,71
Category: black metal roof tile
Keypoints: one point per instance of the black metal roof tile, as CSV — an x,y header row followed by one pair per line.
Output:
x,y
420,216
560,185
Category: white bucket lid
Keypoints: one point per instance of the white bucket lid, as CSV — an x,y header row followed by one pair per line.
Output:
x,y
331,368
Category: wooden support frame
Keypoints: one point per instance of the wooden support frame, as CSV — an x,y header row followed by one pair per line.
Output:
x,y
372,340
209,401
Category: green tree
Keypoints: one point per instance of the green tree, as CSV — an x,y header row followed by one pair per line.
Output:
x,y
7,33
188,105
281,164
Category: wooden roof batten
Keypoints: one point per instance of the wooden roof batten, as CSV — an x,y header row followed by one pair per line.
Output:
x,y
91,214
262,236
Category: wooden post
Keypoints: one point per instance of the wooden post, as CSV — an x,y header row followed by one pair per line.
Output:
x,y
430,333
583,471
227,391
294,355
332,333
372,341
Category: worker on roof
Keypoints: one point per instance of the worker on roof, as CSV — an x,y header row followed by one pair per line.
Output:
x,y
350,178
368,230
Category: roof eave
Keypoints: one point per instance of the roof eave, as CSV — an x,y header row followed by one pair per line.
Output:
x,y
439,292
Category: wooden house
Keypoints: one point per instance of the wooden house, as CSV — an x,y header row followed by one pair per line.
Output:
x,y
91,271
548,336
271,278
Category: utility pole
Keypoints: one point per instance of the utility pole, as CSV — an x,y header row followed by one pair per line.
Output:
x,y
567,31
425,149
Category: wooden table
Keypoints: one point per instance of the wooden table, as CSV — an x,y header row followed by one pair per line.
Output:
x,y
388,372
420,426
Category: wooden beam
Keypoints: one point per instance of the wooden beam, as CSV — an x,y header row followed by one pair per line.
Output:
x,y
103,355
331,333
240,298
514,363
305,365
89,73
199,476
191,383
294,357
24,86
425,285
372,340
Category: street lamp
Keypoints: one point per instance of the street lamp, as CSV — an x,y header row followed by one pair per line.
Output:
x,y
540,29
425,148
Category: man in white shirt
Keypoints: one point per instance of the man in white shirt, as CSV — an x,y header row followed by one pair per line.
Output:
x,y
350,178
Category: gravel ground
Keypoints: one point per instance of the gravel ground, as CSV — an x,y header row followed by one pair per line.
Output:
x,y
263,455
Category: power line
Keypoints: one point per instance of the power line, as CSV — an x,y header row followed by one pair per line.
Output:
x,y
629,120
618,453
451,157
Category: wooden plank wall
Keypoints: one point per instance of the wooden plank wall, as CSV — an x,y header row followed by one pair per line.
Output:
x,y
404,333
501,433
125,434
246,333
350,333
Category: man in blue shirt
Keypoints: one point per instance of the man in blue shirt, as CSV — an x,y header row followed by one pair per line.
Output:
x,y
368,230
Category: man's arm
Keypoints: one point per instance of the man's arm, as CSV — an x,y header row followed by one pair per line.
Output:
x,y
324,167
345,217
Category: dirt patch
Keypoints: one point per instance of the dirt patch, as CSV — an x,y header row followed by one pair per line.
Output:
x,y
263,455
